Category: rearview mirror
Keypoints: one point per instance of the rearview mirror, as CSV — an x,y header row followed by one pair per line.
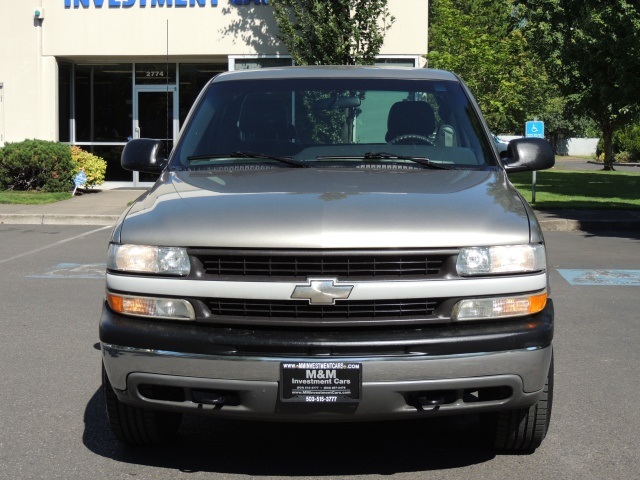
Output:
x,y
337,103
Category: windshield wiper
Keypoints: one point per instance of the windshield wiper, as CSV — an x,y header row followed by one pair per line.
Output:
x,y
288,160
392,156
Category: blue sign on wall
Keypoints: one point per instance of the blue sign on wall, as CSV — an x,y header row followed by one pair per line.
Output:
x,y
534,129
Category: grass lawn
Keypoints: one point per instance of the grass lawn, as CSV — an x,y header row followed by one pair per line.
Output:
x,y
557,189
32,198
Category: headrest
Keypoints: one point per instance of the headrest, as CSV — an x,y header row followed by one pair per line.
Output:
x,y
410,117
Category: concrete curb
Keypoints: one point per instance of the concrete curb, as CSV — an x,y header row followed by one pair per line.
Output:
x,y
615,164
572,225
56,219
560,225
588,220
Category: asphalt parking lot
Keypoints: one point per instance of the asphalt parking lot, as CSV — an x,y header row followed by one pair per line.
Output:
x,y
53,422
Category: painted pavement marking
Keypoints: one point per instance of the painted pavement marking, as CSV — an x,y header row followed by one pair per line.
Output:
x,y
601,277
75,270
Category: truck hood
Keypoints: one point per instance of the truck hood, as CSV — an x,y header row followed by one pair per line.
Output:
x,y
328,208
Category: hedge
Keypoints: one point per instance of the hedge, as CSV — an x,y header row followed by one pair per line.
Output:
x,y
47,166
94,167
36,165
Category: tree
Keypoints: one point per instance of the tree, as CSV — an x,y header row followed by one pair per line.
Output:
x,y
561,122
332,32
481,41
591,50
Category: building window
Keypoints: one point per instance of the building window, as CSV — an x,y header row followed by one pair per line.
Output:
x,y
103,105
64,101
111,154
193,78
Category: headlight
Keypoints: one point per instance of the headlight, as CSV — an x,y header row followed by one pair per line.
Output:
x,y
499,307
151,307
501,259
148,259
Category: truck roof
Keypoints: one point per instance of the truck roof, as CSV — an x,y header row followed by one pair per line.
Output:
x,y
340,71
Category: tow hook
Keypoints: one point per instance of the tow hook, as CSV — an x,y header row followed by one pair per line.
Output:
x,y
424,402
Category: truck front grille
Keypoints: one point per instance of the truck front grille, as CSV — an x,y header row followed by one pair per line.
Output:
x,y
340,264
343,312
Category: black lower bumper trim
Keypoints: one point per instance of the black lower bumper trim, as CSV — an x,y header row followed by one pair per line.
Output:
x,y
451,339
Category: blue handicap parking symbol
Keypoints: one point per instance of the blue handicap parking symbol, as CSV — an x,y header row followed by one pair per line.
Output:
x,y
534,129
603,277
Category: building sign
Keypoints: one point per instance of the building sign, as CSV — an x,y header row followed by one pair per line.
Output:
x,y
155,3
155,73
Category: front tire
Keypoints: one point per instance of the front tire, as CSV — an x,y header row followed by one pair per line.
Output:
x,y
135,425
522,430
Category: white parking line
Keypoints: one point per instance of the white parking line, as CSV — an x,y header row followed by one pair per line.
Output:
x,y
60,242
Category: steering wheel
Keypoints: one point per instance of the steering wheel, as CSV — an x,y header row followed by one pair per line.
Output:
x,y
401,139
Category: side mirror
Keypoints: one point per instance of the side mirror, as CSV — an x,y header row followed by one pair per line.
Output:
x,y
528,155
144,155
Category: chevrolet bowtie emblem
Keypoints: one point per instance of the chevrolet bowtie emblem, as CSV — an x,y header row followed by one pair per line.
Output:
x,y
322,292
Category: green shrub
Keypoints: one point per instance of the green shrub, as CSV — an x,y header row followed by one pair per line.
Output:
x,y
36,165
615,144
625,140
94,167
628,140
623,157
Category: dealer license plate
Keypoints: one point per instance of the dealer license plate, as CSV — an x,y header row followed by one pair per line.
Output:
x,y
320,382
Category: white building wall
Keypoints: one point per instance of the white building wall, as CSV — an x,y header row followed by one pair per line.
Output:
x,y
579,147
409,33
142,31
29,79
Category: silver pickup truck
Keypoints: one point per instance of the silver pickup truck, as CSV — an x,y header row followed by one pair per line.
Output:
x,y
330,244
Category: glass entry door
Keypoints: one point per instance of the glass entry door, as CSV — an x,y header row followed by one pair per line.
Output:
x,y
155,115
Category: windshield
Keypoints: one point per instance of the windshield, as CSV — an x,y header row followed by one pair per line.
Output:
x,y
335,122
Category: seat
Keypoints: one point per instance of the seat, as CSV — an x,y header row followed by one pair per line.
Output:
x,y
446,136
263,118
410,122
